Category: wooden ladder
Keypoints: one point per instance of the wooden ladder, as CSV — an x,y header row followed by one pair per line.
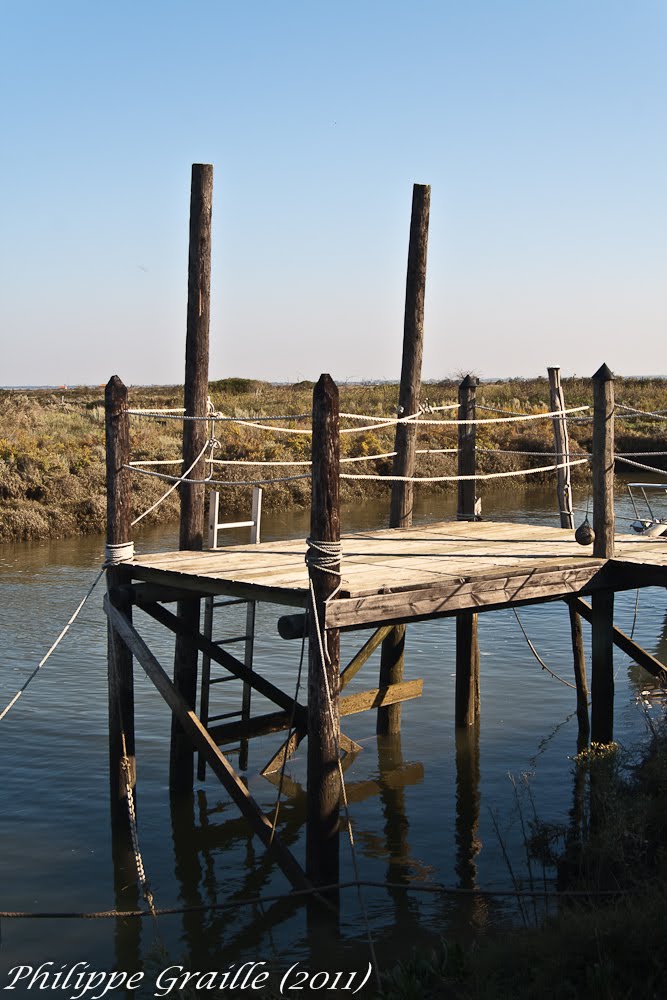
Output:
x,y
211,604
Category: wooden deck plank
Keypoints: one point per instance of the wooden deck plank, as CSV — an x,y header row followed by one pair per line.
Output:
x,y
433,560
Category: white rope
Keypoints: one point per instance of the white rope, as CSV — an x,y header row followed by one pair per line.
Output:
x,y
639,465
214,415
53,647
537,655
497,409
209,482
119,553
324,556
452,479
641,454
503,420
180,479
634,412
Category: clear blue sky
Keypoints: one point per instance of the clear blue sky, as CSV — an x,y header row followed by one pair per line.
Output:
x,y
541,127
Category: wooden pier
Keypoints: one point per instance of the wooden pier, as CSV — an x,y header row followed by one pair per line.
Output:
x,y
373,580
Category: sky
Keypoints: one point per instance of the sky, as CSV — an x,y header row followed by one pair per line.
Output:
x,y
539,124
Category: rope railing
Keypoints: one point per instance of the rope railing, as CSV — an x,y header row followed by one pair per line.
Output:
x,y
639,465
413,418
348,475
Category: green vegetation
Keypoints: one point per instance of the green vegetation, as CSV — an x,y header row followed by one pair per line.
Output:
x,y
604,947
52,479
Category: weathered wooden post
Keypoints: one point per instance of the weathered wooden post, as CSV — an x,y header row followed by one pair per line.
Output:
x,y
405,443
561,448
120,675
194,440
323,559
602,676
467,647
564,492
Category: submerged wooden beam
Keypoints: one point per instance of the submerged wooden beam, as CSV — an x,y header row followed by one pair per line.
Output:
x,y
624,642
203,742
291,745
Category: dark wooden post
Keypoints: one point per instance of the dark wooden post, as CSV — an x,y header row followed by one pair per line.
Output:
x,y
564,493
602,674
323,712
467,647
405,443
120,676
194,439
603,463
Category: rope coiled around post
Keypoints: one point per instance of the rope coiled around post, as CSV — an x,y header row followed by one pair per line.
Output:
x,y
118,553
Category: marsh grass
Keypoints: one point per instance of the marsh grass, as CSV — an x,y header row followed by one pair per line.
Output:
x,y
52,477
602,947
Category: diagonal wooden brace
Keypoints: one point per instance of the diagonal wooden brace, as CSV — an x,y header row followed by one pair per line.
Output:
x,y
203,742
225,659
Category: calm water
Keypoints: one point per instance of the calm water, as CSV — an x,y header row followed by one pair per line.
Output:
x,y
424,810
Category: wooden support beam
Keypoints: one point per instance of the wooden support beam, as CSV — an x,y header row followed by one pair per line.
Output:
x,y
603,463
203,742
291,745
580,682
602,669
225,659
624,642
467,699
483,593
393,694
405,441
120,672
364,654
322,855
194,438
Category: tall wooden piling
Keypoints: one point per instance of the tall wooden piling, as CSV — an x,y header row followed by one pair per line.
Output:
x,y
194,439
323,677
120,675
467,699
602,675
405,442
564,494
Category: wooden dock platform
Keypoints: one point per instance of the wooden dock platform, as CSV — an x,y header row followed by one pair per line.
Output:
x,y
426,571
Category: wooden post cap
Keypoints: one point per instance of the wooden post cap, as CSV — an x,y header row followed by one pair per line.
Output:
x,y
469,382
604,374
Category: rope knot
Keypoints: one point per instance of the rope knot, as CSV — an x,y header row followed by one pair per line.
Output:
x,y
324,556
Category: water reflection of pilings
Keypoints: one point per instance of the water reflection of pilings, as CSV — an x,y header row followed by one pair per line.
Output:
x,y
468,844
220,935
